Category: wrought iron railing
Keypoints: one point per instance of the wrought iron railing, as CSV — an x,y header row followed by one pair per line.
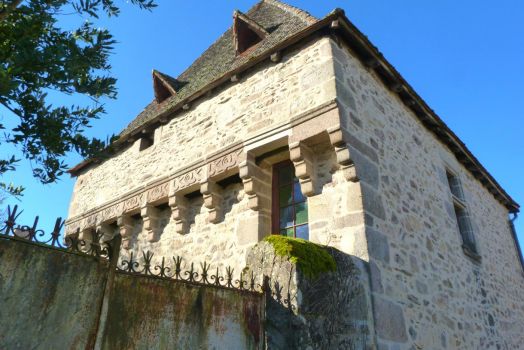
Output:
x,y
202,275
31,233
177,270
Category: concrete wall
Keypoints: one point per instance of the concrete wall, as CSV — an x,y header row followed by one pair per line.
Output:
x,y
151,313
51,299
427,293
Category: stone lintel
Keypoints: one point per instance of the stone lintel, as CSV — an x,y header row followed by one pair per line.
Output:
x,y
179,208
212,194
150,216
344,161
302,158
125,227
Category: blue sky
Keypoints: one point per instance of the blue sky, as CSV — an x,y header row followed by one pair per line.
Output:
x,y
463,57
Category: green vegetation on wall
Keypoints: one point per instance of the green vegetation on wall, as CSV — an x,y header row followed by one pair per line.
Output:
x,y
312,259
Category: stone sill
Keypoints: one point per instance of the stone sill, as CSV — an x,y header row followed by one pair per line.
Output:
x,y
471,254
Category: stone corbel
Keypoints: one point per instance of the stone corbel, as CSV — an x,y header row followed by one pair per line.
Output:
x,y
150,216
255,182
344,161
106,232
86,234
125,227
211,192
179,208
86,238
302,158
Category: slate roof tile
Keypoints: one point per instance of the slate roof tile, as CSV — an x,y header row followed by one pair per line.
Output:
x,y
279,19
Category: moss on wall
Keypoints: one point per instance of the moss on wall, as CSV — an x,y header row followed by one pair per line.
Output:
x,y
312,259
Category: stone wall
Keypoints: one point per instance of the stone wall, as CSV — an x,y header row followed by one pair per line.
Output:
x,y
328,311
394,214
236,118
269,96
427,292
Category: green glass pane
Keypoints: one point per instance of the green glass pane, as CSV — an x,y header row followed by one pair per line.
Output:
x,y
286,217
287,232
284,196
286,175
297,193
303,231
301,213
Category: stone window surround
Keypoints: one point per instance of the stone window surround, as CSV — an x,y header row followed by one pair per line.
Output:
x,y
298,136
276,207
458,199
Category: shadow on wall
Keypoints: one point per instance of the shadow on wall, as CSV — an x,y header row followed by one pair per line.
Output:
x,y
329,311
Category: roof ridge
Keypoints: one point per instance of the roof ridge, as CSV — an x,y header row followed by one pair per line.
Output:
x,y
293,10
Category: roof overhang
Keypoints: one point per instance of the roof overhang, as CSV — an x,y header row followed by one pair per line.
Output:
x,y
337,24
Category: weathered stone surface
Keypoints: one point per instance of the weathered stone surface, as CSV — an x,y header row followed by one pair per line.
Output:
x,y
428,276
50,299
389,320
395,182
366,169
373,201
375,278
151,313
329,312
378,245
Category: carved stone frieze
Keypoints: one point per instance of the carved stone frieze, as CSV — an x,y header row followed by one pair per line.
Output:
x,y
133,203
111,212
188,179
158,192
90,221
180,185
225,163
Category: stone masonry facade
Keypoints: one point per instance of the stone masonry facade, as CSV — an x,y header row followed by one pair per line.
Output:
x,y
375,180
435,296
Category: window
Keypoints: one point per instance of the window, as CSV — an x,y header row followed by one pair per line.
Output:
x,y
147,141
461,213
246,32
289,212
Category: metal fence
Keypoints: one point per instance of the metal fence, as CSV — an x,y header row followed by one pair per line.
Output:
x,y
172,268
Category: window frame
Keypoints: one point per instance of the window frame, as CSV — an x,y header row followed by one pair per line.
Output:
x,y
462,217
275,199
146,141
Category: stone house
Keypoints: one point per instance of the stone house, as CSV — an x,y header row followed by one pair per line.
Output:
x,y
299,126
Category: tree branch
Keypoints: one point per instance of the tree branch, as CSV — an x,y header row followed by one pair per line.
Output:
x,y
10,7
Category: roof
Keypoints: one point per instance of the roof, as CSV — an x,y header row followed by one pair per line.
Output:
x,y
287,26
278,19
